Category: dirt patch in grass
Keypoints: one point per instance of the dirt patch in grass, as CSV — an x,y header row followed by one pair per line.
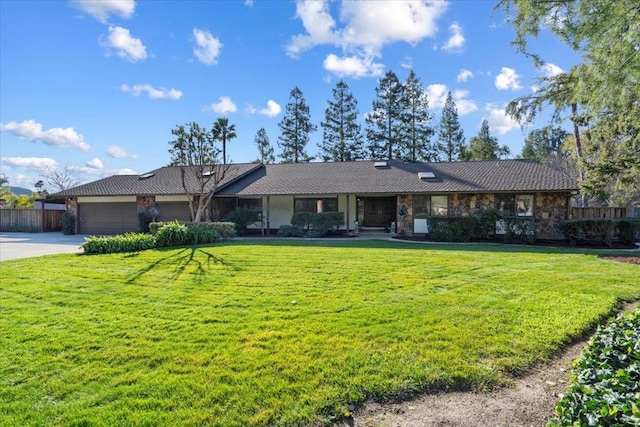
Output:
x,y
530,402
633,259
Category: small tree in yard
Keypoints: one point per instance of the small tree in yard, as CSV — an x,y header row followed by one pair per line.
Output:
x,y
201,171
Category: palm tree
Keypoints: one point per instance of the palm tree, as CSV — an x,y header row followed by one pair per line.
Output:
x,y
223,132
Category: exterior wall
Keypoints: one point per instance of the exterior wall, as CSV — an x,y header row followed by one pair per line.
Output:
x,y
144,202
550,210
72,208
281,209
405,223
106,199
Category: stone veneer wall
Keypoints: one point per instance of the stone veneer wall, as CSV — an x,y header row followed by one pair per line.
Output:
x,y
72,208
550,210
144,202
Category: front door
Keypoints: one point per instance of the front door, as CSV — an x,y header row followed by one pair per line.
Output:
x,y
379,211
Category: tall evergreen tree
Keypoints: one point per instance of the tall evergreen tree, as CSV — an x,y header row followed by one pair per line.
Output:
x,y
543,145
450,137
295,127
484,146
222,131
384,123
264,147
342,135
416,145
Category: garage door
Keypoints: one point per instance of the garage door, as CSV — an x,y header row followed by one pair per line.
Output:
x,y
174,210
107,218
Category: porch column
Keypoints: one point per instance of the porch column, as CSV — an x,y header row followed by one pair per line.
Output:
x,y
268,215
347,214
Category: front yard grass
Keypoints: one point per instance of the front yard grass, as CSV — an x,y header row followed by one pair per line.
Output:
x,y
284,332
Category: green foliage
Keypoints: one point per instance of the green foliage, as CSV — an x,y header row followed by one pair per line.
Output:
x,y
68,223
451,228
451,139
520,230
317,224
416,145
544,145
144,219
627,230
484,146
227,230
128,242
211,336
243,218
264,147
384,123
341,132
155,226
202,233
486,222
290,231
295,128
605,385
222,131
173,233
588,230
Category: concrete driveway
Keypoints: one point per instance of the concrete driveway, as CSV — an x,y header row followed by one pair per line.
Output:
x,y
26,245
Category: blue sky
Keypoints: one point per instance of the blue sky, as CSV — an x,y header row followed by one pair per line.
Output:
x,y
97,86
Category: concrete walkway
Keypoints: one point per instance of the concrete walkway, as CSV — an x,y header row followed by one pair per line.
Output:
x,y
26,245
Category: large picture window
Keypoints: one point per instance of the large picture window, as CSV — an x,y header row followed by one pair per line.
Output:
x,y
426,205
515,204
439,205
316,205
253,204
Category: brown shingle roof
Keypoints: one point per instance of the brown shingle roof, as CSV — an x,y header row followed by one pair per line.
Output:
x,y
163,181
399,177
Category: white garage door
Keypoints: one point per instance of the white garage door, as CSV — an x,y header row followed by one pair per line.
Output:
x,y
107,218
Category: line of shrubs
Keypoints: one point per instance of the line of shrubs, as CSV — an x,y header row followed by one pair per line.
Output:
x,y
601,231
174,233
308,224
605,384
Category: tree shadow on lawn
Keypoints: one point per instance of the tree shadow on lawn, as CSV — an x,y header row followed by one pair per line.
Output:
x,y
491,247
181,260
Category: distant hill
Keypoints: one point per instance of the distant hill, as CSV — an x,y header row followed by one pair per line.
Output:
x,y
19,191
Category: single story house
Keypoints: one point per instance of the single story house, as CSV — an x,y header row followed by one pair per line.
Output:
x,y
372,194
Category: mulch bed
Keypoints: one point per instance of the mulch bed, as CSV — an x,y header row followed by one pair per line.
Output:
x,y
623,258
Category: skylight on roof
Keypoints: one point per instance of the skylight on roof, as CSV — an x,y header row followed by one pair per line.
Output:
x,y
208,173
146,175
380,164
426,175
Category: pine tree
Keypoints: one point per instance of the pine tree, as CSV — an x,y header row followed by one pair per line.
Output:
x,y
384,123
451,137
416,144
264,147
295,127
484,146
543,145
342,135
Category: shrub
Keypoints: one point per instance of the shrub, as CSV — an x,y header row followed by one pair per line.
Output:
x,y
605,385
155,226
520,230
227,230
202,233
290,231
486,222
317,224
588,230
243,218
68,223
627,229
303,220
144,219
451,228
173,233
129,242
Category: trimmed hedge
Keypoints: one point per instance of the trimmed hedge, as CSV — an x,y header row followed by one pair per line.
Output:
x,y
627,230
290,231
68,223
451,228
605,386
589,230
227,230
520,230
317,224
128,242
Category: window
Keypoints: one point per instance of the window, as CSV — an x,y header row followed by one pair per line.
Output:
x,y
439,205
515,204
316,205
421,205
253,204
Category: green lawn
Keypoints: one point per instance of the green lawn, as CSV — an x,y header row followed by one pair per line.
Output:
x,y
283,332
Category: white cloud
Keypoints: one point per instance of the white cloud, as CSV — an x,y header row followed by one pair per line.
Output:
x,y
272,110
437,96
225,105
464,75
59,137
100,172
125,45
152,92
500,122
37,163
508,79
207,47
353,66
95,163
407,63
551,70
456,41
118,152
101,10
248,3
366,28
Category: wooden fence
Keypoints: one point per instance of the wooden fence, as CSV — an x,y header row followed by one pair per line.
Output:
x,y
598,213
30,220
